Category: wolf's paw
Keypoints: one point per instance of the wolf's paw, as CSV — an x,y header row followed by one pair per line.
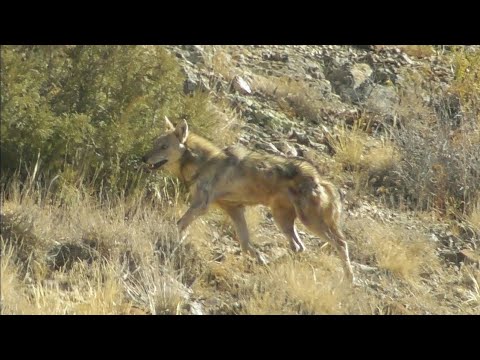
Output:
x,y
357,283
297,247
262,260
182,235
258,256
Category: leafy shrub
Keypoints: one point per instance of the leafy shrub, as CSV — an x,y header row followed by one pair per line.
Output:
x,y
88,112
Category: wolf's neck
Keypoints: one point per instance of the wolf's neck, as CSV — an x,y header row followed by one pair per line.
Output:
x,y
198,152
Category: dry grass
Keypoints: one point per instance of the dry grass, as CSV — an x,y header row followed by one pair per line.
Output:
x,y
382,157
471,287
125,257
349,146
89,259
404,257
221,63
12,300
138,265
405,253
413,108
228,122
368,162
438,137
418,51
301,287
295,98
474,217
411,272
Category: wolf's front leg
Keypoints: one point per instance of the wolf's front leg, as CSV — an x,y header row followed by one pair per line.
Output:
x,y
237,214
198,207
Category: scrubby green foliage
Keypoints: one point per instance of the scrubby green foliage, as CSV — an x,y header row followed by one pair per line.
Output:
x,y
87,113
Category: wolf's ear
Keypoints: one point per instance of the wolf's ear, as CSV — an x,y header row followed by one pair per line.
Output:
x,y
169,126
181,131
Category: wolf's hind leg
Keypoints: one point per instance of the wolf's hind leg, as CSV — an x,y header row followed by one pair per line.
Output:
x,y
325,223
285,219
335,237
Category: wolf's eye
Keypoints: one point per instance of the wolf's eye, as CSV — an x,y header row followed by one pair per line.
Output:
x,y
163,147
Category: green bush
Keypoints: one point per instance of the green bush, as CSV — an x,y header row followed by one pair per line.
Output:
x,y
87,112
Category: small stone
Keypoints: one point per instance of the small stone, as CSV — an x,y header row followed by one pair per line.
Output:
x,y
196,308
241,85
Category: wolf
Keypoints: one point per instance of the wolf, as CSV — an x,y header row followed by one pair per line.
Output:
x,y
235,177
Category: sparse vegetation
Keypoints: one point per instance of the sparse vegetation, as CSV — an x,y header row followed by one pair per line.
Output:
x,y
296,98
406,254
474,216
440,167
418,51
367,161
137,265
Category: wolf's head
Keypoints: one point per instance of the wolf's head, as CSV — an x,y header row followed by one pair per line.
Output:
x,y
169,147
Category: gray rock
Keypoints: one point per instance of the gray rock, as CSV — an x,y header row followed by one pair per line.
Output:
x,y
382,75
272,148
283,57
189,86
193,53
260,116
324,87
360,74
196,308
191,83
240,85
351,83
382,99
286,148
315,72
407,59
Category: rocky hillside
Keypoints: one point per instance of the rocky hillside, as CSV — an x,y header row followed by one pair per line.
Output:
x,y
397,128
295,98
